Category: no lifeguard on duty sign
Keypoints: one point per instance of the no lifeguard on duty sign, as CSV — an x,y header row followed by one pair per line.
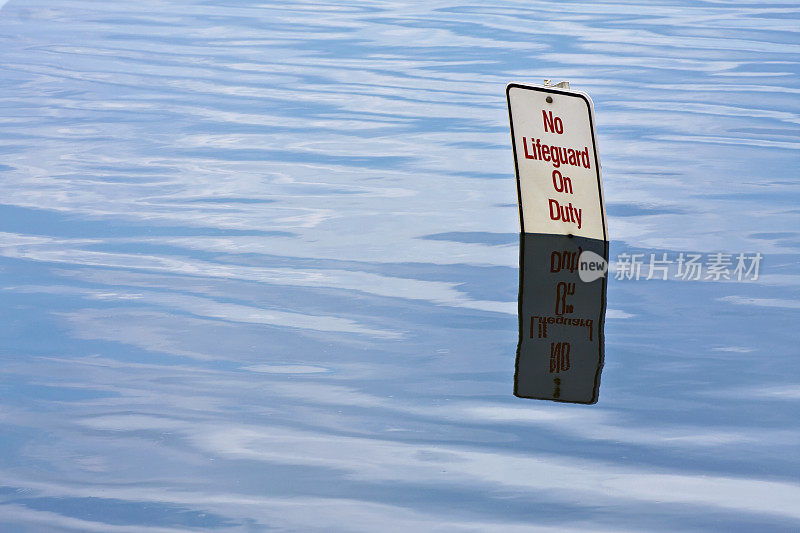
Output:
x,y
559,182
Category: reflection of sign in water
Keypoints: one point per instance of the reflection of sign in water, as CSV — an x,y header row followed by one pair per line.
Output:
x,y
555,155
560,350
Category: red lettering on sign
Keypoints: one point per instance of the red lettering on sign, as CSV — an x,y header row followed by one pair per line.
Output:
x,y
559,357
563,290
566,213
552,124
561,183
525,147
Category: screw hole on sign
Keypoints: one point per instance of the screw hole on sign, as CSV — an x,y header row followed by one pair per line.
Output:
x,y
549,99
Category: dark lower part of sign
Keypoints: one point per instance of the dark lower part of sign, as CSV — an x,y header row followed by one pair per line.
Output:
x,y
561,347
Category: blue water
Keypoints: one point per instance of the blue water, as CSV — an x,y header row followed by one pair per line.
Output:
x,y
260,268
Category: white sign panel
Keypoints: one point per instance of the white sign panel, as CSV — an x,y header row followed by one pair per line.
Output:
x,y
559,184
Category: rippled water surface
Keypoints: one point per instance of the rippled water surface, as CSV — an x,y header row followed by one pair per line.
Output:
x,y
260,266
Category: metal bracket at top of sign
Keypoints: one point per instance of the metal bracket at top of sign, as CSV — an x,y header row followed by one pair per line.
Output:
x,y
559,85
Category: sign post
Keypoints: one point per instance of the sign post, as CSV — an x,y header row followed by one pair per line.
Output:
x,y
559,182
